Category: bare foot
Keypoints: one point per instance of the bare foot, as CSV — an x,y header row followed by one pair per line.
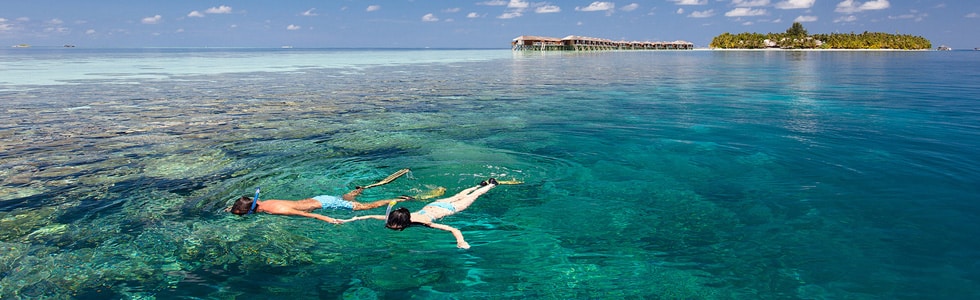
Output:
x,y
353,194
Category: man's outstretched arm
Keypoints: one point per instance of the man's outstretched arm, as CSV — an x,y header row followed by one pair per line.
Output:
x,y
315,216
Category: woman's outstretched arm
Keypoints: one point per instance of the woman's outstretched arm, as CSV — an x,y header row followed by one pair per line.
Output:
x,y
365,217
460,242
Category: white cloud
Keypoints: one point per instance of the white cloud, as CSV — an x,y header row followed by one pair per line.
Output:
x,y
750,3
429,18
309,13
971,15
804,19
875,5
680,11
90,31
493,3
745,12
219,10
795,4
5,27
690,2
851,6
473,15
597,6
702,14
547,9
451,10
293,27
915,15
518,4
510,15
846,19
195,14
630,7
152,20
371,8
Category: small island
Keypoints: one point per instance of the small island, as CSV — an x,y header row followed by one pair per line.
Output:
x,y
796,37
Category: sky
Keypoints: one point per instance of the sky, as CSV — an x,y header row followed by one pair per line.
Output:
x,y
461,24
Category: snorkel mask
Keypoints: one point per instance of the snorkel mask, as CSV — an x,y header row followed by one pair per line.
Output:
x,y
255,202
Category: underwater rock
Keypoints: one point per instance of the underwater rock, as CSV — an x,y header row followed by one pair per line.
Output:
x,y
392,276
359,293
48,232
17,192
20,174
374,141
189,164
20,223
54,172
10,253
220,245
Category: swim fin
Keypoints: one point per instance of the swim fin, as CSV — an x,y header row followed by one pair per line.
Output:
x,y
389,179
512,181
436,192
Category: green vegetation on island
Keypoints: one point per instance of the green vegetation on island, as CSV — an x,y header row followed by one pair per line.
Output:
x,y
796,37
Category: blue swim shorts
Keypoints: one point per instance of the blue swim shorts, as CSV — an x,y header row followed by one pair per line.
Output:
x,y
333,202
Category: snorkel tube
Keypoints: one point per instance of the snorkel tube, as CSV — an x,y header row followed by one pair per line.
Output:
x,y
255,202
388,211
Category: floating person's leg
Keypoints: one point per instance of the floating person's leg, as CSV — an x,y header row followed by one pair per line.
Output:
x,y
461,201
379,203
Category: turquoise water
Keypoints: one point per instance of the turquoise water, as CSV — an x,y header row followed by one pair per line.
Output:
x,y
658,175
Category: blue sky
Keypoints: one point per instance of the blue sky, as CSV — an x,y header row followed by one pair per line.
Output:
x,y
461,24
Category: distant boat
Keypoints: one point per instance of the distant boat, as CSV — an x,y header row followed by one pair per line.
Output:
x,y
287,47
21,46
69,46
944,48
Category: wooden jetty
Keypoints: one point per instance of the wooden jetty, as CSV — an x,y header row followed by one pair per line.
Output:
x,y
581,43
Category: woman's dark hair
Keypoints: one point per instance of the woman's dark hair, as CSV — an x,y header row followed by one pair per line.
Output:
x,y
399,219
242,205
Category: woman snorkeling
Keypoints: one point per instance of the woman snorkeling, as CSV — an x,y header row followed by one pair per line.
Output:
x,y
401,218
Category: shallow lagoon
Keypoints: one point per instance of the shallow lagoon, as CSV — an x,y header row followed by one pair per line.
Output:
x,y
695,174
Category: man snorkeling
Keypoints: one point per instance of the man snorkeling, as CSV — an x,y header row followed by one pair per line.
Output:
x,y
401,218
247,205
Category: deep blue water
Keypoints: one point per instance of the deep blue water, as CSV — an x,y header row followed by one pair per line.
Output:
x,y
658,175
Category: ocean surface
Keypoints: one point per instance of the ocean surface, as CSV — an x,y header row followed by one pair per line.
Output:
x,y
646,175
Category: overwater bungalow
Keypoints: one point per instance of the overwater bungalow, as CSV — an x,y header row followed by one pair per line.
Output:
x,y
581,43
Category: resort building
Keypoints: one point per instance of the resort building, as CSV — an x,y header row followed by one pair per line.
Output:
x,y
581,43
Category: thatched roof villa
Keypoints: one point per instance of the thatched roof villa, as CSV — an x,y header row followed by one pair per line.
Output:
x,y
581,43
